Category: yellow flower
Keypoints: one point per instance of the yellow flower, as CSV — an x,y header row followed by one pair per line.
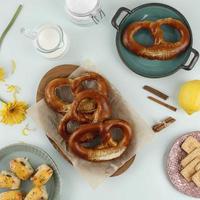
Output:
x,y
26,130
14,66
2,74
14,89
13,112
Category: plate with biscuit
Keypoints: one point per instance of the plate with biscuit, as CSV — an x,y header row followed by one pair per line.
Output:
x,y
154,40
27,172
183,164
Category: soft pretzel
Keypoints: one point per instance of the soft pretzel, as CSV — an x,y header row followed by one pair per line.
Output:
x,y
102,85
76,86
102,112
108,149
51,97
161,49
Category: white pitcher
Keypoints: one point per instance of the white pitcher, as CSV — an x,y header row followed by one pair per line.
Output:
x,y
49,40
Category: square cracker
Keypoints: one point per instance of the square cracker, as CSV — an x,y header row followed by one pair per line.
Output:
x,y
197,168
189,170
190,144
190,157
196,178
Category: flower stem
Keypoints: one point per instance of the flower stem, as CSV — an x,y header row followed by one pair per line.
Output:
x,y
10,24
3,101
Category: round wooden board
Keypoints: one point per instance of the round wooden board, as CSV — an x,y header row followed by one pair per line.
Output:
x,y
65,71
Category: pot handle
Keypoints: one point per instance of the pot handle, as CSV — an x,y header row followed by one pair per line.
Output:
x,y
117,15
192,63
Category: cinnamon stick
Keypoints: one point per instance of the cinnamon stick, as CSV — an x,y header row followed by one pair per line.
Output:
x,y
163,124
162,103
156,92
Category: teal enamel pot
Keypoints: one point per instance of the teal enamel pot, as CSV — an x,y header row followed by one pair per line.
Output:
x,y
146,67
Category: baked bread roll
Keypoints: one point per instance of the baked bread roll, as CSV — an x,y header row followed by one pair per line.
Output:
x,y
37,193
42,175
21,168
9,180
11,195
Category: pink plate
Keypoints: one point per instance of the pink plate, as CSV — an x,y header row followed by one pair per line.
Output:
x,y
176,154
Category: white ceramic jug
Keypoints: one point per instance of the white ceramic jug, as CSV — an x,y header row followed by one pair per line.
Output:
x,y
49,40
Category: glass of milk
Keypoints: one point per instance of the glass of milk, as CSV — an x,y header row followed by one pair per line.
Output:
x,y
49,40
84,12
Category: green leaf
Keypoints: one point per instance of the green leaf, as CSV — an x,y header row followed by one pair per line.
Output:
x,y
10,24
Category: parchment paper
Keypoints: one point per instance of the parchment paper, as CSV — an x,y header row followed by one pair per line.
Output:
x,y
95,173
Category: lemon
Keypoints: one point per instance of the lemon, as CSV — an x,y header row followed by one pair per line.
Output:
x,y
189,96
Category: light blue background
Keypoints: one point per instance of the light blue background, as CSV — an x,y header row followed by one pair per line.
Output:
x,y
147,178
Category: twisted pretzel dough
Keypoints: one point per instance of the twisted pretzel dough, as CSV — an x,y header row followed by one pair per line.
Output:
x,y
108,149
51,97
161,49
76,86
90,76
102,112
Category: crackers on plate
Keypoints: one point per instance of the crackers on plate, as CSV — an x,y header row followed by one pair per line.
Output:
x,y
191,163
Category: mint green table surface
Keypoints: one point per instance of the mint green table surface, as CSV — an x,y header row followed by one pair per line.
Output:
x,y
147,178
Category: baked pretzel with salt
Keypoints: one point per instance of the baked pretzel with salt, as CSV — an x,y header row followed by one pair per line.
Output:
x,y
108,149
76,86
160,49
102,112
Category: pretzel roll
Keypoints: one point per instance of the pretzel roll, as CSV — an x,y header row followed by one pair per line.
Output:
x,y
63,129
76,86
106,150
87,106
51,97
102,112
62,126
102,85
161,49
